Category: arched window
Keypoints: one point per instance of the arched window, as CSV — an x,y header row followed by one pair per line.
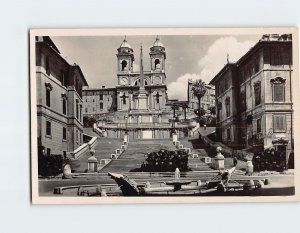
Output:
x,y
124,65
157,64
138,82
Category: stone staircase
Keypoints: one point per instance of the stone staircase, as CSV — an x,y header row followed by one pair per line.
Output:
x,y
103,150
196,163
90,131
134,155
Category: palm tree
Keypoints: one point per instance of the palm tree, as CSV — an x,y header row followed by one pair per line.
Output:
x,y
199,91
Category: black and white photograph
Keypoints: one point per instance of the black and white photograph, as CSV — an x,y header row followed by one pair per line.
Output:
x,y
163,115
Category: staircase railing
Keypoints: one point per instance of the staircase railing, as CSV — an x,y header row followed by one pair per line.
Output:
x,y
83,148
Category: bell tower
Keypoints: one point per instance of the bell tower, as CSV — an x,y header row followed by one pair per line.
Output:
x,y
125,57
157,56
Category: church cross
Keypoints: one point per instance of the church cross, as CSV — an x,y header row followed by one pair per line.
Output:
x,y
123,97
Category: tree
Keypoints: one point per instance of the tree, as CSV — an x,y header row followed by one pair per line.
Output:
x,y
212,110
199,91
88,121
201,113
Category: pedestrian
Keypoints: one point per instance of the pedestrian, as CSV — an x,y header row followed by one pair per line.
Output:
x,y
235,161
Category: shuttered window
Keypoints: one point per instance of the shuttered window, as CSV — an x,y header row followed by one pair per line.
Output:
x,y
257,93
279,123
278,92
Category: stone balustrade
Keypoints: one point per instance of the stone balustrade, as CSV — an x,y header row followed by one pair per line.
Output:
x,y
84,148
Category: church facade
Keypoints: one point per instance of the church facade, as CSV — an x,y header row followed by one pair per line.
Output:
x,y
142,95
138,104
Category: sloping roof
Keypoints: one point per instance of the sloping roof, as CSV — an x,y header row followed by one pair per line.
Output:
x,y
223,70
49,42
75,66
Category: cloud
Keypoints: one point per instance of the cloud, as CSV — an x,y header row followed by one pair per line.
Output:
x,y
178,89
216,56
210,64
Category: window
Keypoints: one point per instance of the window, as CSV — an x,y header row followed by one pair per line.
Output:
x,y
101,106
48,128
157,64
64,133
48,93
64,154
219,107
278,89
64,103
76,136
101,96
228,134
86,109
63,79
257,93
258,125
48,96
48,151
93,100
124,65
47,65
80,112
227,104
226,84
77,109
279,123
243,100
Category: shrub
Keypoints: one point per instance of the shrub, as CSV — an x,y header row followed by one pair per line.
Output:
x,y
165,161
50,165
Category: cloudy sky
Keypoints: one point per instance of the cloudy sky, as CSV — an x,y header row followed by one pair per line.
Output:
x,y
188,57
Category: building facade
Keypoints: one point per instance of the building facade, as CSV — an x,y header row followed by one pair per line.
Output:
x,y
98,101
254,96
59,100
140,105
142,95
207,101
131,84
